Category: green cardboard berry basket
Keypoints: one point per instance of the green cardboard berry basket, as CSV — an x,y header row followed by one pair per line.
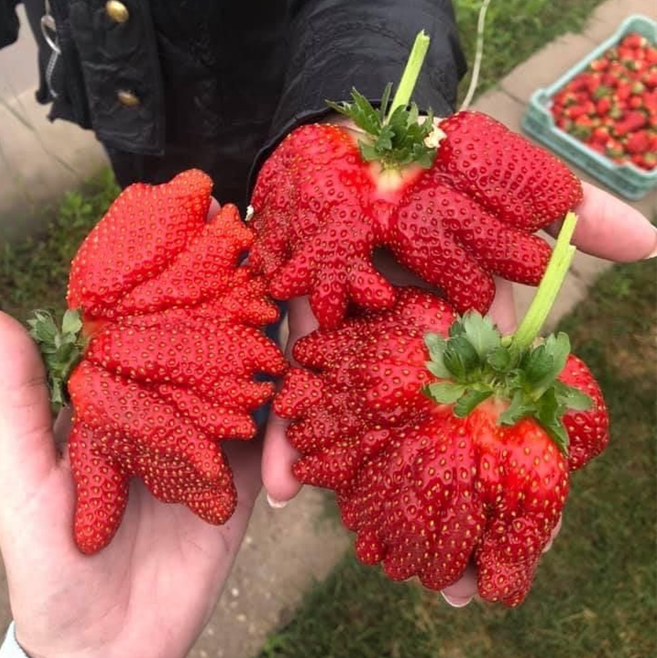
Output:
x,y
627,180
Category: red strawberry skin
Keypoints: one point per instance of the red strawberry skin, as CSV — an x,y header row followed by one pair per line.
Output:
x,y
523,185
174,342
321,211
428,492
588,431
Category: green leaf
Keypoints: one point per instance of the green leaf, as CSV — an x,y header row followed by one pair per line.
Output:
x,y
515,379
461,358
549,416
43,327
469,400
499,359
445,392
518,409
437,345
384,140
61,349
558,434
396,142
360,112
423,156
537,366
385,101
572,398
438,369
432,340
546,362
71,323
368,151
559,347
481,333
398,121
57,391
456,328
413,116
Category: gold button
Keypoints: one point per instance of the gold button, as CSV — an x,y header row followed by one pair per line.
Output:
x,y
127,98
117,11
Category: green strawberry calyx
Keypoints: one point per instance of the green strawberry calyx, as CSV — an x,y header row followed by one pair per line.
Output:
x,y
394,135
475,362
61,347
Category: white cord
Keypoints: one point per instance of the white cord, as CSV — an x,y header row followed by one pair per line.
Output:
x,y
477,63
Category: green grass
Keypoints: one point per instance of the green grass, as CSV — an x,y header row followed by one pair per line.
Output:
x,y
514,30
33,273
595,592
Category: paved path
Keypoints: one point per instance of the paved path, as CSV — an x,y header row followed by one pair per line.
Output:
x,y
264,588
39,160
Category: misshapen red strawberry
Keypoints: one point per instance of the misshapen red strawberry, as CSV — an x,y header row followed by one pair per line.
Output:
x,y
466,212
430,486
171,343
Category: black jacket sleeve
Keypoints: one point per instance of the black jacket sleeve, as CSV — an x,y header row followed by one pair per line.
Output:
x,y
8,22
334,45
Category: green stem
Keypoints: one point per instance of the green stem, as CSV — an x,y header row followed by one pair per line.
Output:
x,y
547,292
411,73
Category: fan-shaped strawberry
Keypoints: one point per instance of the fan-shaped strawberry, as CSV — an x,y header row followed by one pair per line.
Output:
x,y
167,326
445,442
456,203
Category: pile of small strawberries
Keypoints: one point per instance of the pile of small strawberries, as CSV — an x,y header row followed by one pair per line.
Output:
x,y
612,106
447,443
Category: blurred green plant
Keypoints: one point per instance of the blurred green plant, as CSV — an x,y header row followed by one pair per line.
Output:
x,y
33,273
514,30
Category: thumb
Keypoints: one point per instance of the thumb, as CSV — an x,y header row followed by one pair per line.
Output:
x,y
27,448
278,457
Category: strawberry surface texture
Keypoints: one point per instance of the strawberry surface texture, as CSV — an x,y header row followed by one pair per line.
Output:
x,y
461,218
171,326
430,487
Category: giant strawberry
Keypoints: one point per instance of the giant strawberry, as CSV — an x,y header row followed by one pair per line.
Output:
x,y
167,326
445,442
456,203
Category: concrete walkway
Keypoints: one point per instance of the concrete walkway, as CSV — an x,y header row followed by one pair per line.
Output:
x,y
287,550
39,160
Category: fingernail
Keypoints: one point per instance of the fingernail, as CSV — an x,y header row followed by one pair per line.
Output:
x,y
457,601
276,504
653,253
548,546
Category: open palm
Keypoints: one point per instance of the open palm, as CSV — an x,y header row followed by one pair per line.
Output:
x,y
607,228
151,591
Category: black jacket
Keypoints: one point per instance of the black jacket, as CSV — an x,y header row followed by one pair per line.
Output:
x,y
8,22
220,82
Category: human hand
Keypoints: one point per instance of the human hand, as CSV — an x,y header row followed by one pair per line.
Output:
x,y
607,228
148,593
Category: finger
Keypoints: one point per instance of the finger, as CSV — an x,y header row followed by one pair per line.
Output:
x,y
214,208
503,309
553,536
27,447
278,457
611,229
244,458
300,322
463,590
